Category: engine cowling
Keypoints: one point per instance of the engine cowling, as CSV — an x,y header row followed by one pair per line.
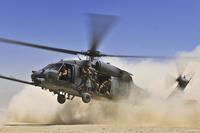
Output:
x,y
108,69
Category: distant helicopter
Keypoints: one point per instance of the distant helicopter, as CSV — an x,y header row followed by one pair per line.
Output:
x,y
67,88
181,80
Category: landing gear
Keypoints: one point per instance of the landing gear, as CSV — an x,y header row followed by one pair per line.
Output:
x,y
86,97
61,98
70,97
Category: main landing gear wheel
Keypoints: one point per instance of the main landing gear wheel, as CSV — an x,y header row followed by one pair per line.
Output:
x,y
61,98
86,97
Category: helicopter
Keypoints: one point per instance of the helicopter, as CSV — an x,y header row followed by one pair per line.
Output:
x,y
182,80
121,82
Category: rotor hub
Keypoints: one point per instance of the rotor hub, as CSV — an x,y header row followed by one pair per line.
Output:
x,y
92,53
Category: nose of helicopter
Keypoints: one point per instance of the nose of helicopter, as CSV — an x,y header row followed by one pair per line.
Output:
x,y
37,76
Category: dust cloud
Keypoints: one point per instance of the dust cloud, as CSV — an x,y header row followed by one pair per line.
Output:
x,y
33,105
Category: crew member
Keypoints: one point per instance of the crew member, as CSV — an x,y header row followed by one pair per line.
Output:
x,y
94,83
105,87
93,78
86,76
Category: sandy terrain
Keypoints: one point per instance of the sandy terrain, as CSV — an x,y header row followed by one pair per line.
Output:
x,y
93,129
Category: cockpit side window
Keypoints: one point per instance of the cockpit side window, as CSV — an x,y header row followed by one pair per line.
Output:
x,y
65,72
57,66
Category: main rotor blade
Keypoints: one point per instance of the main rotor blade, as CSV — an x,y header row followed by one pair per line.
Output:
x,y
149,57
176,93
137,57
170,80
99,27
10,41
16,80
181,66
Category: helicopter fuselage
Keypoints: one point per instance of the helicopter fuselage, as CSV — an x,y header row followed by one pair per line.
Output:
x,y
47,78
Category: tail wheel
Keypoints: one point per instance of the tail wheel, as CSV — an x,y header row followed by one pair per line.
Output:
x,y
86,97
61,98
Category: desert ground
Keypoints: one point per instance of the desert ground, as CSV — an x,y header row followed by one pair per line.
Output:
x,y
31,128
97,117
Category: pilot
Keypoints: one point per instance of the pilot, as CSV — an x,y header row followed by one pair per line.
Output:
x,y
105,87
63,73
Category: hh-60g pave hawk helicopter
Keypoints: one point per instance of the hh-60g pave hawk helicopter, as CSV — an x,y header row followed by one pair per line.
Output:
x,y
90,78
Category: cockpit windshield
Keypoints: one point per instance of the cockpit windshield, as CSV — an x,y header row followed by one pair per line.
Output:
x,y
53,66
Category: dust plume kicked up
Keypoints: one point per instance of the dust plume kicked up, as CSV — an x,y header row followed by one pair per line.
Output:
x,y
37,106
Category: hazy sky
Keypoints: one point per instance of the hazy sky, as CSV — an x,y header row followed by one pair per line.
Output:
x,y
146,27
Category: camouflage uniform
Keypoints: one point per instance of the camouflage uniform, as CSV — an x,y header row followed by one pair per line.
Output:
x,y
94,82
85,77
105,87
